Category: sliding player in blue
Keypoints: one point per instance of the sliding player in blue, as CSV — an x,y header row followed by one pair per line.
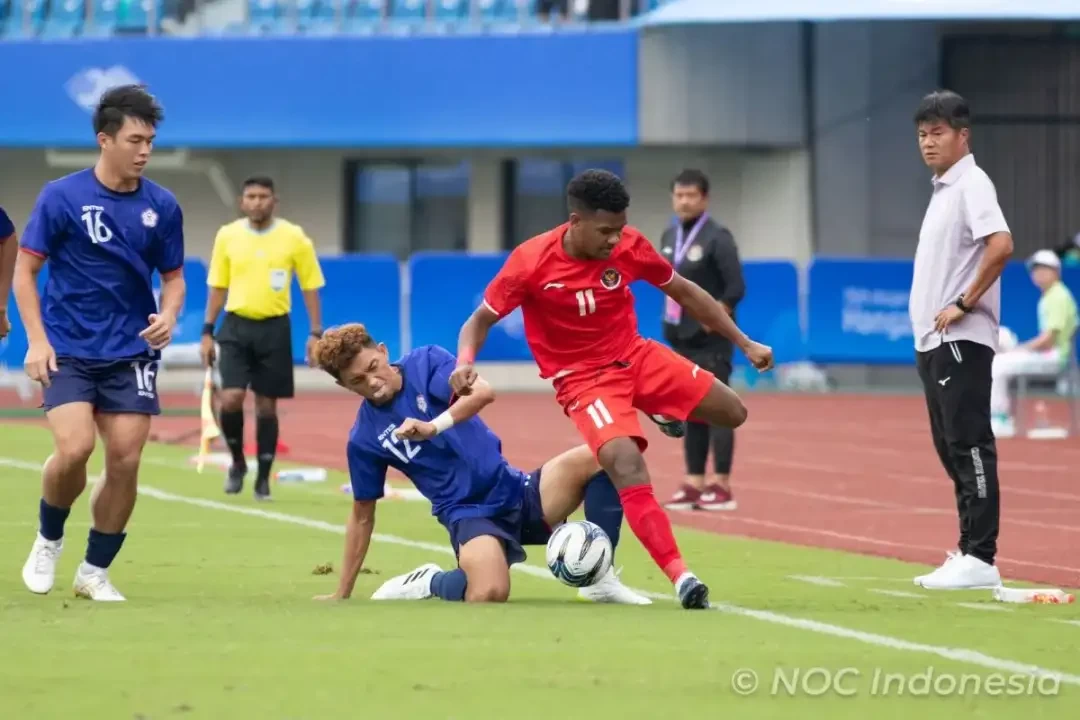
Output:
x,y
489,508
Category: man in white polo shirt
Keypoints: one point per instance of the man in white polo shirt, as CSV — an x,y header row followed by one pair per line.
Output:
x,y
955,307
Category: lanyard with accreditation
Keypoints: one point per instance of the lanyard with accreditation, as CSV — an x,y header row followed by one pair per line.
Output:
x,y
683,241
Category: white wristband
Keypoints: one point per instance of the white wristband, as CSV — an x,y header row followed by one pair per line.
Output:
x,y
443,423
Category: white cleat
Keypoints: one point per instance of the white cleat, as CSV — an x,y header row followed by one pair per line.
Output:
x,y
411,586
964,572
950,556
39,572
609,589
93,584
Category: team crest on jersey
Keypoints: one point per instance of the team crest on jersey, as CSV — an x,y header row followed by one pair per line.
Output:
x,y
610,278
149,218
421,402
695,253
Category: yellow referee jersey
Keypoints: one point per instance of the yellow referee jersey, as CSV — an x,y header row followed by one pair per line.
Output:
x,y
256,267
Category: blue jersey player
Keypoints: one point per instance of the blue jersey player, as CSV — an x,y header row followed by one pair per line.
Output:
x,y
9,248
489,508
96,331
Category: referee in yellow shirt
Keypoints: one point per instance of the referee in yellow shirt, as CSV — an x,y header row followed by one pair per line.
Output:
x,y
252,263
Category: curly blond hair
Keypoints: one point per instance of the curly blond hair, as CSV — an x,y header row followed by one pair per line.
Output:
x,y
340,345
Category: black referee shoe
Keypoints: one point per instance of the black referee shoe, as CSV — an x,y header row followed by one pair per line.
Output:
x,y
234,481
262,488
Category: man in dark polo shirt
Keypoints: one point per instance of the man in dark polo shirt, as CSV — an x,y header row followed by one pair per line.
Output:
x,y
704,252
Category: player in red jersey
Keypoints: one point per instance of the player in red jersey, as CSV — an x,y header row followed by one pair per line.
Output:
x,y
572,286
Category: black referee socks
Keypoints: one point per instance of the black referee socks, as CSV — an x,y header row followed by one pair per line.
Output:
x,y
266,439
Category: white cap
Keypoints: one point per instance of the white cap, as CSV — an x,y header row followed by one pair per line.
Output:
x,y
1046,258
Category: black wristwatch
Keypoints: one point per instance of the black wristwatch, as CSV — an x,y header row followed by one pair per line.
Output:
x,y
960,304
317,334
208,329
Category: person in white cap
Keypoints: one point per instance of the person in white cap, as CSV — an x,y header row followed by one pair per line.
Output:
x,y
1047,353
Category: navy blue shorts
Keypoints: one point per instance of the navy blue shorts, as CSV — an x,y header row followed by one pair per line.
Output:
x,y
110,386
524,526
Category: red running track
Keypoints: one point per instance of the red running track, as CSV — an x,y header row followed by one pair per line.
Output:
x,y
848,472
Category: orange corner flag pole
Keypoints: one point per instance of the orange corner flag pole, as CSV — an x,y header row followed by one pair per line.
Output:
x,y
209,424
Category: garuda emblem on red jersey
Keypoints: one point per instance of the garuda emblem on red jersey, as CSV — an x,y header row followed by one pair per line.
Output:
x,y
610,278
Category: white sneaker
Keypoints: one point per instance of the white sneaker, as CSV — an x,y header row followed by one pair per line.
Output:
x,y
93,583
950,556
609,589
411,586
39,572
966,572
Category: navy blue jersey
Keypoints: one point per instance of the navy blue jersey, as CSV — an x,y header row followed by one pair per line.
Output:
x,y
7,228
102,247
462,471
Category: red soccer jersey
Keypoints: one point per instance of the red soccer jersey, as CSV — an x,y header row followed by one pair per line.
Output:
x,y
578,314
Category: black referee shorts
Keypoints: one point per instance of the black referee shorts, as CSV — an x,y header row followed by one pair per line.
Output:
x,y
256,354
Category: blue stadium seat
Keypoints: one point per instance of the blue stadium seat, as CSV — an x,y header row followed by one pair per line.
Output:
x,y
134,15
5,16
265,15
410,12
316,17
363,16
66,18
105,18
491,10
17,26
451,11
511,11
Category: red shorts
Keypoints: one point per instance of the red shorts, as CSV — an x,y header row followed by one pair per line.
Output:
x,y
604,403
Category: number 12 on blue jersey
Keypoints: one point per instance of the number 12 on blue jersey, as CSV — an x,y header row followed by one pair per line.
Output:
x,y
390,444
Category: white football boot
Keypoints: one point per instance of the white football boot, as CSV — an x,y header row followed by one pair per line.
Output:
x,y
965,572
39,572
411,586
93,583
949,557
609,589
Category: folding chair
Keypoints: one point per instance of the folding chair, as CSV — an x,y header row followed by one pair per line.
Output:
x,y
1066,383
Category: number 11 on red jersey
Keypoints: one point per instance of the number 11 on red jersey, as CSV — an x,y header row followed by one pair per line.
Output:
x,y
586,302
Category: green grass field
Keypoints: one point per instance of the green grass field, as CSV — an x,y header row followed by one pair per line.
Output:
x,y
220,622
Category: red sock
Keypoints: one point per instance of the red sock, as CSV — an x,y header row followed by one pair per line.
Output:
x,y
651,526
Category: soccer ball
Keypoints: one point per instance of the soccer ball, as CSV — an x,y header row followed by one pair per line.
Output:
x,y
579,553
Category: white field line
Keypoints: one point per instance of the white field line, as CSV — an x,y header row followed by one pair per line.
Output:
x,y
962,655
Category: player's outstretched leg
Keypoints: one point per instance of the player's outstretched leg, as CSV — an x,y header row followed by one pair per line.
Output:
x,y
232,429
63,479
623,461
482,575
124,436
563,481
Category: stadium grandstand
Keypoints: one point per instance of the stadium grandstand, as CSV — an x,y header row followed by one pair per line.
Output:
x,y
417,144
105,18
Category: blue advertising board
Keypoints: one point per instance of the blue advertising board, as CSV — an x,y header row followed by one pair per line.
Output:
x,y
359,288
444,289
769,313
858,309
430,91
439,306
